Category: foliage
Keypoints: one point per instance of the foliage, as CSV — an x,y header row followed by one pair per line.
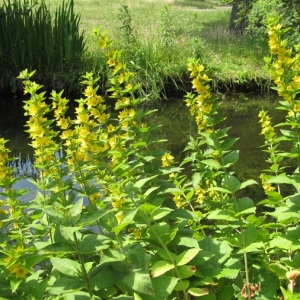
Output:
x,y
288,11
32,37
152,61
114,217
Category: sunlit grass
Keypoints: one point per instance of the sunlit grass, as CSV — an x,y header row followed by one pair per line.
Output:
x,y
232,57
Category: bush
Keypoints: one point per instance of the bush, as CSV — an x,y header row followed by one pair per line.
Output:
x,y
261,11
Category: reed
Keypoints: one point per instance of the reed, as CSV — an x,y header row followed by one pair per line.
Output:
x,y
34,38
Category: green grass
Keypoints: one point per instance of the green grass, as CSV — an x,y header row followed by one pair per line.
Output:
x,y
233,57
232,61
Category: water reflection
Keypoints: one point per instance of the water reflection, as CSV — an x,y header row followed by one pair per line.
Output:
x,y
177,126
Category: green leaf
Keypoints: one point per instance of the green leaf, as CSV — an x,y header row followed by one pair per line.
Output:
x,y
65,284
160,213
165,254
231,183
14,283
253,247
247,182
111,255
231,269
109,221
187,241
278,269
123,297
161,233
75,211
105,276
182,285
63,248
138,257
140,183
226,293
57,216
211,163
248,236
163,286
197,292
281,242
219,214
161,267
228,143
230,158
186,256
147,208
186,271
33,260
68,232
93,243
244,206
219,251
90,218
66,266
149,191
127,220
140,282
80,296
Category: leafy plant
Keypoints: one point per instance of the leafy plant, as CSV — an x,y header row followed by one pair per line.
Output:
x,y
114,217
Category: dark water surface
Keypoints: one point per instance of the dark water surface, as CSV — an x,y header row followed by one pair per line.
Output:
x,y
240,110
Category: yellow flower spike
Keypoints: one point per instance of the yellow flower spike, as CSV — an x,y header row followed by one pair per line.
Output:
x,y
167,159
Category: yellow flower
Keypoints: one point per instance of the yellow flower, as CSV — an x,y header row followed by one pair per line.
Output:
x,y
120,216
63,123
137,234
167,159
88,92
103,42
123,114
93,101
111,128
297,106
81,118
18,270
111,62
129,86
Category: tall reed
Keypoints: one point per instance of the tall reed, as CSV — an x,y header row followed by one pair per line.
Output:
x,y
34,38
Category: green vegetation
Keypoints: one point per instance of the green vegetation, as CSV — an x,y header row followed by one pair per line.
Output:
x,y
33,37
188,30
115,217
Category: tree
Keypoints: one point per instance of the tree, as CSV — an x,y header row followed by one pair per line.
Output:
x,y
238,17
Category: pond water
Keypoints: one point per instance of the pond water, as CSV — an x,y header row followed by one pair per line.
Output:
x,y
240,110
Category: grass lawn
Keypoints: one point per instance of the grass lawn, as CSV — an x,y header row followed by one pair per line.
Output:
x,y
193,29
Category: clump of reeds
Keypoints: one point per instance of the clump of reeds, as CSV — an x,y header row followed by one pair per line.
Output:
x,y
34,38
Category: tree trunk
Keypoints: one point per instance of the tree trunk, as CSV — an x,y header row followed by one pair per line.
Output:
x,y
235,27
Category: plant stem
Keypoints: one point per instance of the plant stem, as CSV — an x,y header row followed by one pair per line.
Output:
x,y
84,273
